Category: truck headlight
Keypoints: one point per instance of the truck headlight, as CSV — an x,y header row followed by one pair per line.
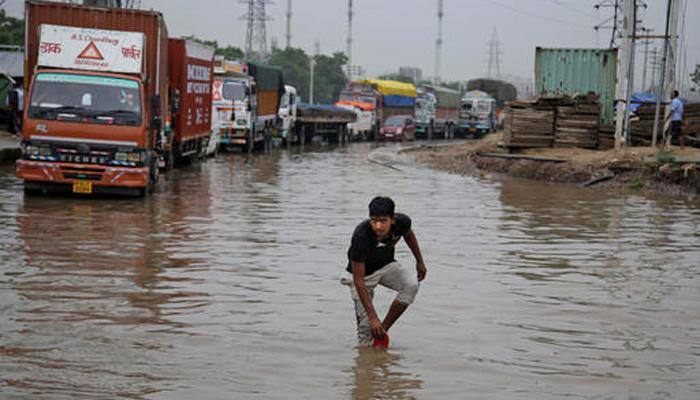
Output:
x,y
120,156
134,157
32,150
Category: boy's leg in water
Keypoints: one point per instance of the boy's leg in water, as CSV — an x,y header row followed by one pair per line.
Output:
x,y
405,282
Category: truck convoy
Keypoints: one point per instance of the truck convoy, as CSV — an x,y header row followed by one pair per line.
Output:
x,y
437,111
97,115
386,97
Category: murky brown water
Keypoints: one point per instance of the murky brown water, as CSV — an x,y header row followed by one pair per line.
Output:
x,y
224,285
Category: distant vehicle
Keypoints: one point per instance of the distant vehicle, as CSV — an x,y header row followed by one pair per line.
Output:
x,y
246,102
232,113
398,127
323,121
362,128
288,112
437,112
386,97
477,115
426,104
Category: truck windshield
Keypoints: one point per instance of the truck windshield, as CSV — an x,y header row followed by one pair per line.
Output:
x,y
233,90
86,98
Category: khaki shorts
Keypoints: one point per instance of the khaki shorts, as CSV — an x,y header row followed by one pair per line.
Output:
x,y
393,276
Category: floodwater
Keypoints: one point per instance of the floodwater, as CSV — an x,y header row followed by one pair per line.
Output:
x,y
225,285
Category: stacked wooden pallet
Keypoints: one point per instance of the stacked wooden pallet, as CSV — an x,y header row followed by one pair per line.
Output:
x,y
528,123
577,125
691,117
606,137
642,125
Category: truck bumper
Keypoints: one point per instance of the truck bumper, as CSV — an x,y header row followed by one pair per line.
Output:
x,y
234,137
56,176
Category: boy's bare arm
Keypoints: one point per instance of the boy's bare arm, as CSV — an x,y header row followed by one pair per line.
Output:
x,y
412,243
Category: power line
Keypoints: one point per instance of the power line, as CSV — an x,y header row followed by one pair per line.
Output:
x,y
523,12
572,9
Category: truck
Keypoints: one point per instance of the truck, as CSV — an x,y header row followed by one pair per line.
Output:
x,y
190,69
361,129
232,118
265,90
96,99
477,115
437,111
327,122
387,97
288,113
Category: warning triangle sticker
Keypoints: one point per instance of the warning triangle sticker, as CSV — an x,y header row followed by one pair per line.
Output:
x,y
91,52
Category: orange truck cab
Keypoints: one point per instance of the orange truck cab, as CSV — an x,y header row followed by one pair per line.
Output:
x,y
96,101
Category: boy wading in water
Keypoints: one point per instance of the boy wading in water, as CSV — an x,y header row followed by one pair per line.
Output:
x,y
371,262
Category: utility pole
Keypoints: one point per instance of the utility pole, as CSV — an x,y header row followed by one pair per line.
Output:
x,y
613,20
655,60
289,24
312,66
348,49
438,43
668,64
646,44
625,61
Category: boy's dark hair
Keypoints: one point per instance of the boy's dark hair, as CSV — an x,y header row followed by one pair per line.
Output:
x,y
381,207
675,93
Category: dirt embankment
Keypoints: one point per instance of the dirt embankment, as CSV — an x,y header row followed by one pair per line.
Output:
x,y
638,167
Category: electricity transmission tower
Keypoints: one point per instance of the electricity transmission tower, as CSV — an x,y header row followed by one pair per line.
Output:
x,y
256,32
494,56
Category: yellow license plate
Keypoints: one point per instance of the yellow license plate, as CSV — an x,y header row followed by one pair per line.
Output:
x,y
472,129
84,187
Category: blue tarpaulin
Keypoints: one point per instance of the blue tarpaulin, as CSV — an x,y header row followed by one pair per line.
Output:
x,y
396,100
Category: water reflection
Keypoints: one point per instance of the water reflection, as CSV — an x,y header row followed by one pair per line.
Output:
x,y
377,375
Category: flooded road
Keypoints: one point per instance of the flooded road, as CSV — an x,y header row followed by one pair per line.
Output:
x,y
225,285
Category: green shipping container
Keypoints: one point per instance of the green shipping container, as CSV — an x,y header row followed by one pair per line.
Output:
x,y
578,71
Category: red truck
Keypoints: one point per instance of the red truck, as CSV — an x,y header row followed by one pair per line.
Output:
x,y
97,107
191,73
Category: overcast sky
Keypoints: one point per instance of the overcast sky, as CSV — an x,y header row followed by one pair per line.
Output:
x,y
393,33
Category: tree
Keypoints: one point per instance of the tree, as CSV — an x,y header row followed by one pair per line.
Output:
x,y
230,52
11,30
294,63
329,77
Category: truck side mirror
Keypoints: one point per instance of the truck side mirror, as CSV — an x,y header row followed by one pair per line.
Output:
x,y
175,100
13,99
156,122
155,104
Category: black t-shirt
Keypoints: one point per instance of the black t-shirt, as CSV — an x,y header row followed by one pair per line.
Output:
x,y
367,249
